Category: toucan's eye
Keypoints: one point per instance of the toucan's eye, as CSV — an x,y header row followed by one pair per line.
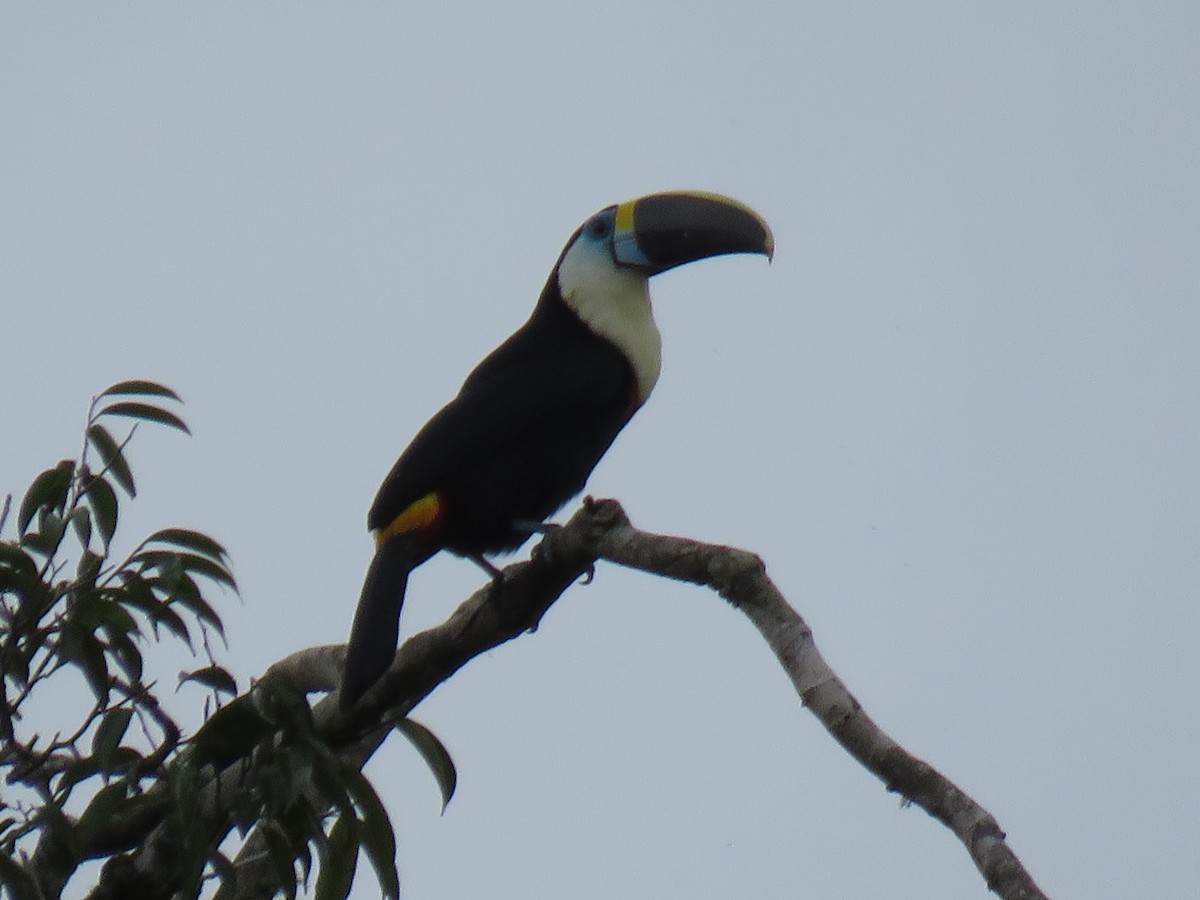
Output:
x,y
599,227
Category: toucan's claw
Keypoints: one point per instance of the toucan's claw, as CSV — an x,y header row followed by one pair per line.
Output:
x,y
542,551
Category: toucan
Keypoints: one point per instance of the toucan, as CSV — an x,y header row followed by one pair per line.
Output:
x,y
533,419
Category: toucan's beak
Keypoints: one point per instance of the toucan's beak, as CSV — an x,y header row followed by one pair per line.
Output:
x,y
661,231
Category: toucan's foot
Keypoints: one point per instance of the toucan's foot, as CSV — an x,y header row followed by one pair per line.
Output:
x,y
543,550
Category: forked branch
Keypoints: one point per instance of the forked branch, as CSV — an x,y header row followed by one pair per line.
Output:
x,y
601,531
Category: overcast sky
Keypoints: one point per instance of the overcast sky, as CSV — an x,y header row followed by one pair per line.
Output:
x,y
958,415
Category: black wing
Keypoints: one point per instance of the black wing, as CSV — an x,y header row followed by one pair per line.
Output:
x,y
518,441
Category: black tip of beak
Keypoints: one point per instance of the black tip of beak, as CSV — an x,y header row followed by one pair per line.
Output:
x,y
677,228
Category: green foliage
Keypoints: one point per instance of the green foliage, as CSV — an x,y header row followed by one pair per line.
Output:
x,y
435,754
75,620
72,613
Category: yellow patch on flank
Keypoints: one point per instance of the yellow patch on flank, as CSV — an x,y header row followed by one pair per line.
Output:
x,y
416,516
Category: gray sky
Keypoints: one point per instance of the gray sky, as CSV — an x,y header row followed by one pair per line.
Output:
x,y
958,415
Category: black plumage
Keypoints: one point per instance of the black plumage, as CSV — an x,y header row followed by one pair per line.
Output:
x,y
522,436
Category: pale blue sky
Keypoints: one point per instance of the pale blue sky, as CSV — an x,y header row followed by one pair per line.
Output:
x,y
958,416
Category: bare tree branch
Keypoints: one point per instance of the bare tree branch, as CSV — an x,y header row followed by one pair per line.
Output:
x,y
740,577
600,530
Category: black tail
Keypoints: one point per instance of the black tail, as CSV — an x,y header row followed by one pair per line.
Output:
x,y
377,621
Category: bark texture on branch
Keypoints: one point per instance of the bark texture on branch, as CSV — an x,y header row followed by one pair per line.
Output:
x,y
601,531
740,577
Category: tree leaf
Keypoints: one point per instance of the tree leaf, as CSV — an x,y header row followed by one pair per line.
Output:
x,y
103,809
138,592
164,615
141,387
16,656
83,649
199,607
145,411
60,828
190,540
108,734
16,561
282,860
435,754
15,879
377,834
112,456
88,568
79,770
215,677
230,733
168,561
127,655
81,520
103,500
48,491
214,571
49,534
339,857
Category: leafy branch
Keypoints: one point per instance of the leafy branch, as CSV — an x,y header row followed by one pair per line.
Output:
x,y
73,610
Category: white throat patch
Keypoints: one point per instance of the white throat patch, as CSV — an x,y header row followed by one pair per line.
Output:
x,y
614,302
